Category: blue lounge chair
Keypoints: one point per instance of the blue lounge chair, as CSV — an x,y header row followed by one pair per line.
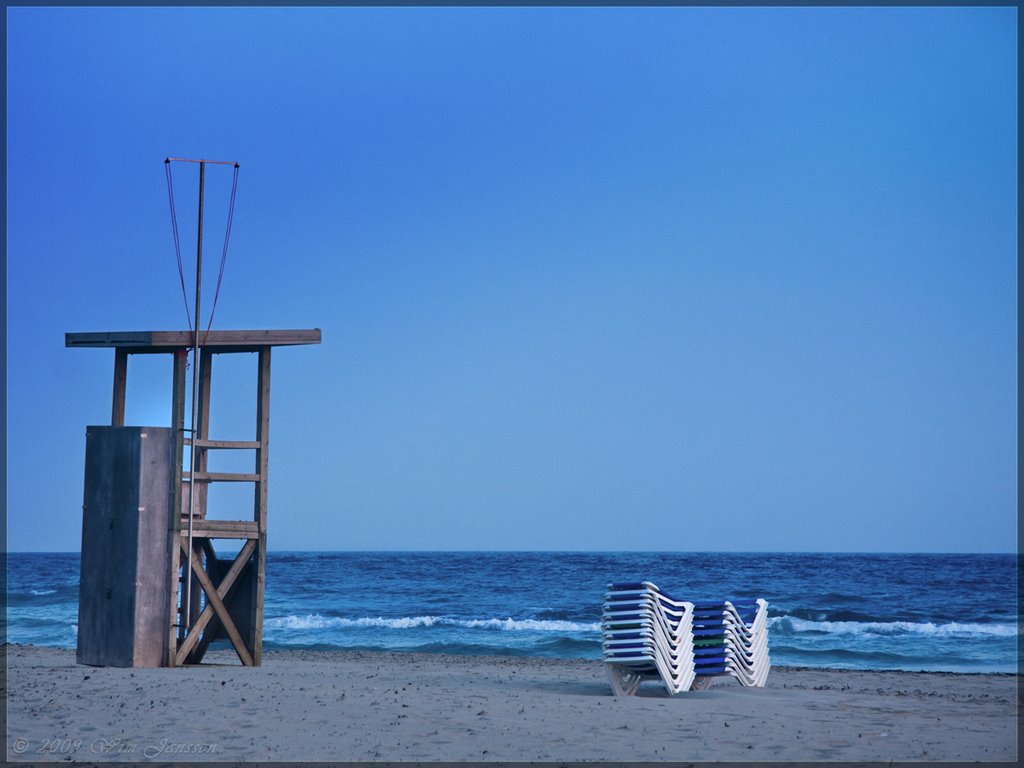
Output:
x,y
650,635
646,636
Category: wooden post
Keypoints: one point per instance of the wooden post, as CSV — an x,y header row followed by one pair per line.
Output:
x,y
262,436
201,490
178,411
260,500
120,384
203,429
176,632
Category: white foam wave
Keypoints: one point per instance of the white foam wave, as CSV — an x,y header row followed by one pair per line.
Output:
x,y
951,629
41,592
536,625
316,621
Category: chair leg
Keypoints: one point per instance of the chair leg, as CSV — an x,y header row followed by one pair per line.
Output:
x,y
701,683
623,683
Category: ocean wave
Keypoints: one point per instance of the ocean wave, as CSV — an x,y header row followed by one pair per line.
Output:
x,y
316,621
535,625
814,614
953,629
42,592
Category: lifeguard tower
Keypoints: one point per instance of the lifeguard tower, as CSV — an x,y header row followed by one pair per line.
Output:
x,y
154,591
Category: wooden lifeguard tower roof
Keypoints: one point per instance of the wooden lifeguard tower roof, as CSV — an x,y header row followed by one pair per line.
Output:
x,y
141,342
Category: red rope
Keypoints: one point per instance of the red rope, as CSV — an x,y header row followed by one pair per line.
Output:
x,y
224,251
177,240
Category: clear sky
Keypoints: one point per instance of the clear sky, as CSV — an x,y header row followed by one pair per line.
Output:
x,y
641,279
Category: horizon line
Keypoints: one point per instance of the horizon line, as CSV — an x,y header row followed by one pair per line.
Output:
x,y
588,551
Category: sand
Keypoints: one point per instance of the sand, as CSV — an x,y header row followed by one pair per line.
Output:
x,y
367,706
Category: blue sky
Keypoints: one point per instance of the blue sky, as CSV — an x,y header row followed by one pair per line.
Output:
x,y
642,279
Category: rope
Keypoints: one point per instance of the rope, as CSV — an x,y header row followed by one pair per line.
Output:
x,y
224,252
177,239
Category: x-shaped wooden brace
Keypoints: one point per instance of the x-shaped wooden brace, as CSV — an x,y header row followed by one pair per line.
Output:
x,y
215,604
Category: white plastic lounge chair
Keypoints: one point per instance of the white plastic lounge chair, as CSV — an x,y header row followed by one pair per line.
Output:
x,y
649,635
642,642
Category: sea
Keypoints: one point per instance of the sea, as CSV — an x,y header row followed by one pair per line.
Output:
x,y
930,612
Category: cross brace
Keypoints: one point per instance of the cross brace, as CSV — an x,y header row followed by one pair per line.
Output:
x,y
215,595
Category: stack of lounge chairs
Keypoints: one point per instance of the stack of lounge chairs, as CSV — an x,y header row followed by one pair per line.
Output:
x,y
649,635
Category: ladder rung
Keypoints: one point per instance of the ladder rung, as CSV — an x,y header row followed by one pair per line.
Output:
x,y
223,477
231,444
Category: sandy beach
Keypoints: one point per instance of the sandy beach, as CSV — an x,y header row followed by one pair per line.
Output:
x,y
367,706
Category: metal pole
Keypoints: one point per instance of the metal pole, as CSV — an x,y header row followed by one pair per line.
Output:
x,y
195,395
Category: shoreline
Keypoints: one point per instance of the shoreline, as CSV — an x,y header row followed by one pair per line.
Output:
x,y
306,705
230,658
